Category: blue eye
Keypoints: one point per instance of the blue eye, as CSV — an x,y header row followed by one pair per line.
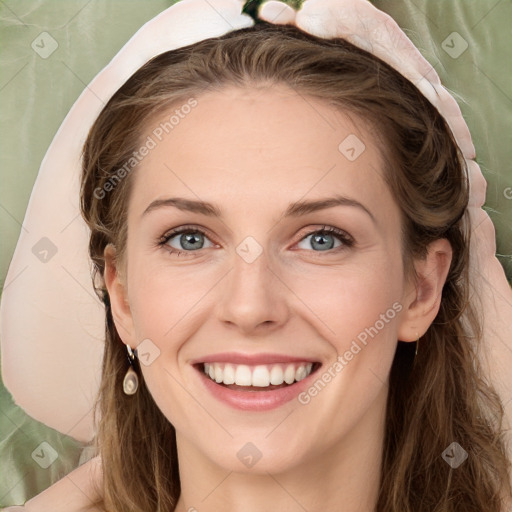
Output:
x,y
325,239
187,239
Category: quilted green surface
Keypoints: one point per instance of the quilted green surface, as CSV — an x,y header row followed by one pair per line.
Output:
x,y
36,94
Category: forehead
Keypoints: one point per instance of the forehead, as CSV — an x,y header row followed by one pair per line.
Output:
x,y
258,147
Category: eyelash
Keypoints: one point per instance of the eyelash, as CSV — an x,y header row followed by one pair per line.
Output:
x,y
344,237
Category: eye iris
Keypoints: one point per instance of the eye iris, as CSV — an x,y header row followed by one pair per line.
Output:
x,y
190,238
194,240
320,239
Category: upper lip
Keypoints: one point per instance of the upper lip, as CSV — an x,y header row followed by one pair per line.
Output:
x,y
251,359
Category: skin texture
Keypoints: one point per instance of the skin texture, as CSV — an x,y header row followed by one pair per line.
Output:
x,y
294,298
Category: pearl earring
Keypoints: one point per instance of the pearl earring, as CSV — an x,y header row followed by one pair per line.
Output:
x,y
131,380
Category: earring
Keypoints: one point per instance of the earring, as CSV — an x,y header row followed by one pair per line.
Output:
x,y
417,344
131,380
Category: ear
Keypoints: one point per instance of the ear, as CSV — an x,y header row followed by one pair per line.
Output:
x,y
422,299
115,282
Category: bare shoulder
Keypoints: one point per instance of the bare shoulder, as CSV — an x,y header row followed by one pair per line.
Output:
x,y
78,491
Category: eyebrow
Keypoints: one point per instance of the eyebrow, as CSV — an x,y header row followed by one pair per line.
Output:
x,y
295,209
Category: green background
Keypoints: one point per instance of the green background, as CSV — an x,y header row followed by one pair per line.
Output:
x,y
36,94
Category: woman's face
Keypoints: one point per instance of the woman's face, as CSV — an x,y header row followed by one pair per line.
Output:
x,y
260,293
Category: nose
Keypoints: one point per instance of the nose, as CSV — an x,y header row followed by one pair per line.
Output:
x,y
254,297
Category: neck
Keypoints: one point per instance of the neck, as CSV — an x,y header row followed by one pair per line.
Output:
x,y
344,476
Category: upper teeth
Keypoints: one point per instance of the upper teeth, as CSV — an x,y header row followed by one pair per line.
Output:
x,y
260,376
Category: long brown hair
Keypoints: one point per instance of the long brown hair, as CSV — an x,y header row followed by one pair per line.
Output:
x,y
444,398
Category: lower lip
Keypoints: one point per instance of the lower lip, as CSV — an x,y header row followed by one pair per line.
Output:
x,y
255,400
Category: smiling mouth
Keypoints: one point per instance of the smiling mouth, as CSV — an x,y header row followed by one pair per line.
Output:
x,y
265,377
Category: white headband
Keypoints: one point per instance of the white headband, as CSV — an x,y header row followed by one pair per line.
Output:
x,y
52,323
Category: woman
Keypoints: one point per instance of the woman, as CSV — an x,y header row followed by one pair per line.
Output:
x,y
271,214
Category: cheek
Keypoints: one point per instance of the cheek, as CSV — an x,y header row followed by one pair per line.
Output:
x,y
352,299
164,298
358,312
358,315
